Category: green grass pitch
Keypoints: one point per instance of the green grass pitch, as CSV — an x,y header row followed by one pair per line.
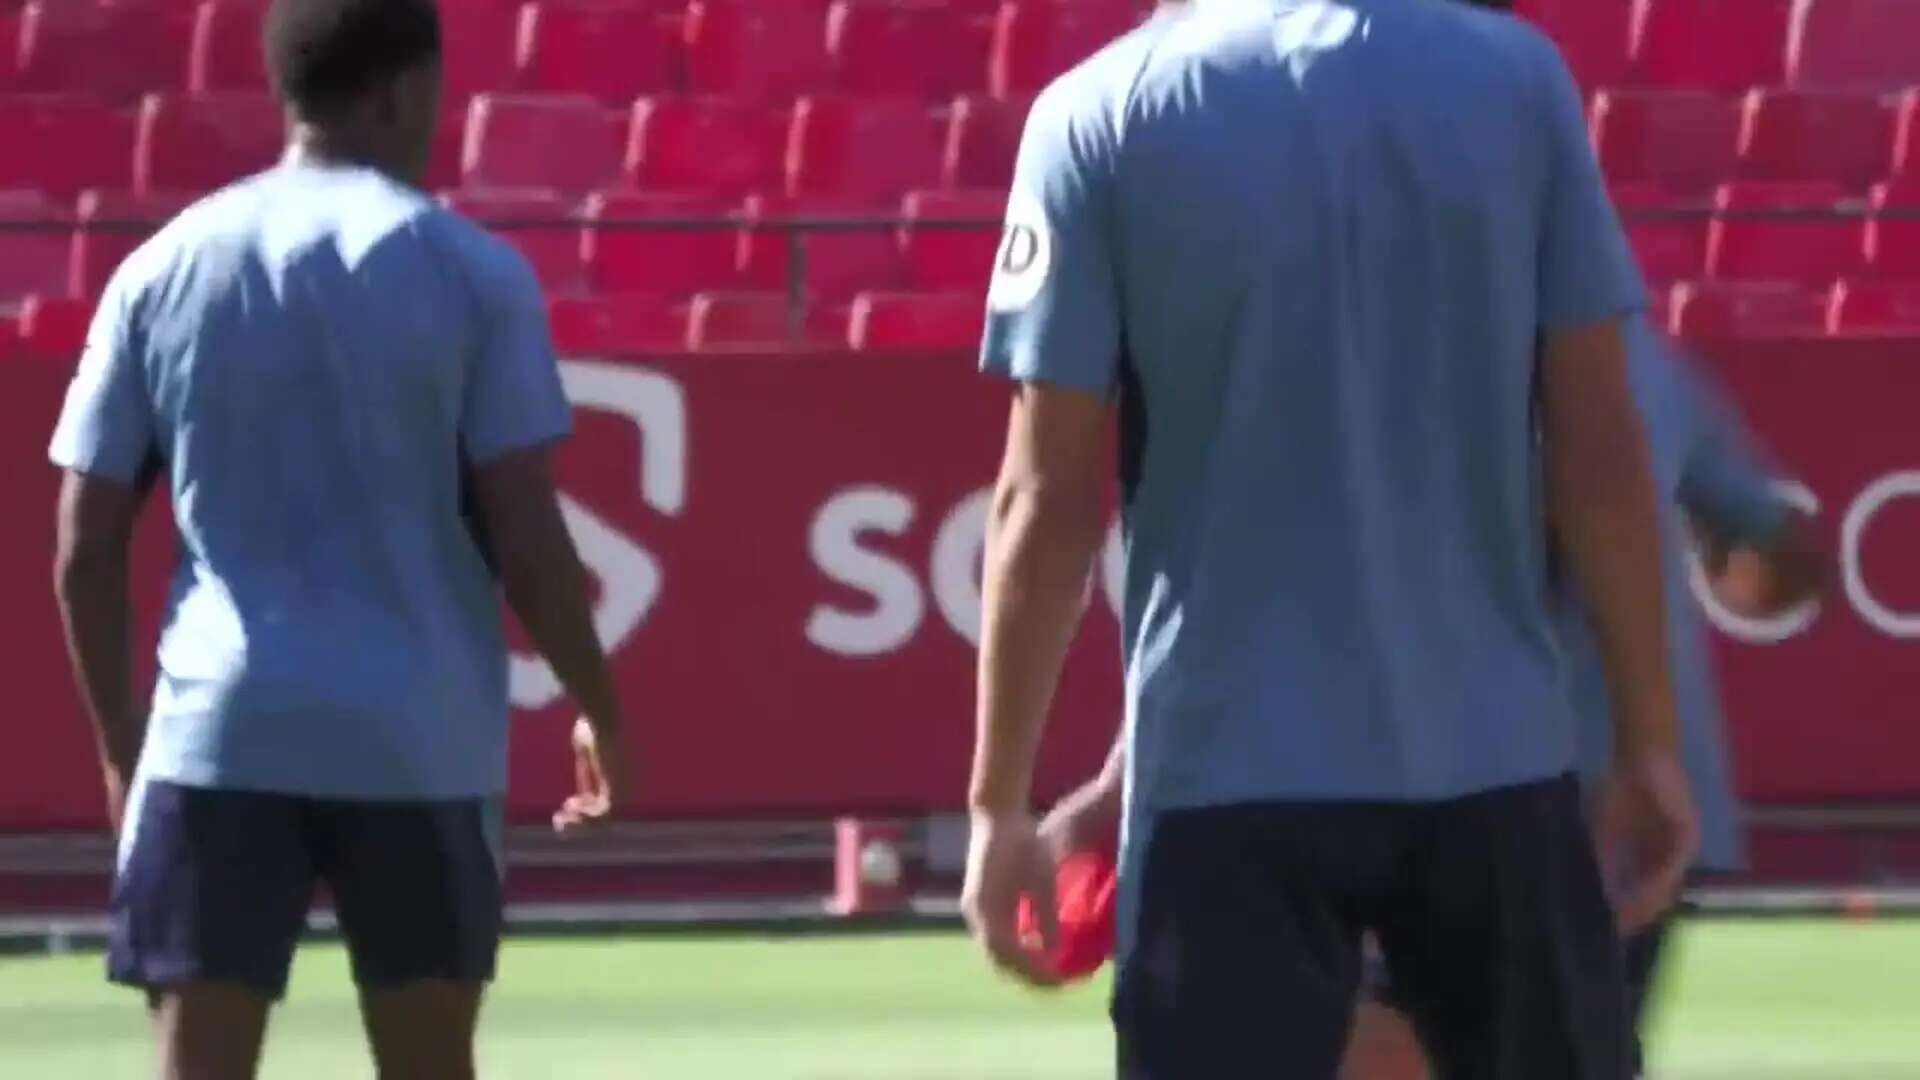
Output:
x,y
1772,1000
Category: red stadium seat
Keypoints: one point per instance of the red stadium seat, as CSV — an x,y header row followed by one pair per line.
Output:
x,y
226,52
1683,140
202,142
114,51
1866,44
1593,35
9,70
613,53
54,327
112,224
1771,310
1711,44
765,51
563,142
720,145
659,260
831,264
907,47
744,321
917,322
449,145
478,38
61,144
1893,234
864,148
983,138
1819,242
1906,142
33,246
1035,43
595,326
949,258
544,226
1668,235
1817,135
1880,307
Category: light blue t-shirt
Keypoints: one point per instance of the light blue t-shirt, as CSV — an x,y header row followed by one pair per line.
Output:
x,y
1708,471
316,356
1311,246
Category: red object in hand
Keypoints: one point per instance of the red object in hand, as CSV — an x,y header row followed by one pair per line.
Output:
x,y
1085,888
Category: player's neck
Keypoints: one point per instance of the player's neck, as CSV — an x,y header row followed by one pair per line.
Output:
x,y
313,146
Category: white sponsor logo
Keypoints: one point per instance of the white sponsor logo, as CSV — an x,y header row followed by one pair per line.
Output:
x,y
896,605
630,576
1025,258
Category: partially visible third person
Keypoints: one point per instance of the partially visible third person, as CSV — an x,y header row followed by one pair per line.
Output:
x,y
351,396
1349,271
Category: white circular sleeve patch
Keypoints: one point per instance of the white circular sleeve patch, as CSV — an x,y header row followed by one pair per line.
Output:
x,y
1021,266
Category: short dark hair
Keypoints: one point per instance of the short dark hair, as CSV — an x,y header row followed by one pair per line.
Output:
x,y
322,54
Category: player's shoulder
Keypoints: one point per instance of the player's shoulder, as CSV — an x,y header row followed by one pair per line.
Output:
x,y
1092,96
494,267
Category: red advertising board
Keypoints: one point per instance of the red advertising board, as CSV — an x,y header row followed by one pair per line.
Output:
x,y
787,546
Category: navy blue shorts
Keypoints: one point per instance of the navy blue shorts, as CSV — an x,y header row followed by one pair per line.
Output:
x,y
215,885
1489,910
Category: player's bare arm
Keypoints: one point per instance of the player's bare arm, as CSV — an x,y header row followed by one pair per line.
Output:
x,y
1043,532
94,537
1604,509
546,587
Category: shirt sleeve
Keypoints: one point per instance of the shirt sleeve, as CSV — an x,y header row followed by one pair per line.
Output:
x,y
1588,273
106,427
1053,310
1727,483
514,398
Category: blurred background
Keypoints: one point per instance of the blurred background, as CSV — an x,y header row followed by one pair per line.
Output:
x,y
765,228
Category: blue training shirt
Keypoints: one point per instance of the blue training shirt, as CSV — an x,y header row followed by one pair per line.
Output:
x,y
316,355
1708,472
1311,246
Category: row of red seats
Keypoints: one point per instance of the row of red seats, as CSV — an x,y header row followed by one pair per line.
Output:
x,y
1690,141
1807,232
611,51
53,329
1722,309
612,244
873,148
1736,44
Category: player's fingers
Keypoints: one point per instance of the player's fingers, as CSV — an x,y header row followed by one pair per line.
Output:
x,y
1013,957
1662,874
1046,907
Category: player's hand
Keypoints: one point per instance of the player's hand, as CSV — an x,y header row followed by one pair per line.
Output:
x,y
1083,821
1006,859
600,767
1649,833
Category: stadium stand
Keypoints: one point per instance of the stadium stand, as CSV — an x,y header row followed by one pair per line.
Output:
x,y
728,146
1747,141
1709,309
1817,135
226,49
681,262
1877,307
1683,140
1725,45
562,142
616,325
1784,232
109,225
612,53
910,321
